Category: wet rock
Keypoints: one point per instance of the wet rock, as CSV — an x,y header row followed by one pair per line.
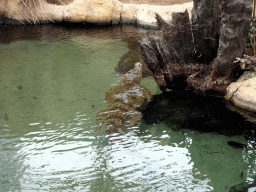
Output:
x,y
243,92
125,100
248,115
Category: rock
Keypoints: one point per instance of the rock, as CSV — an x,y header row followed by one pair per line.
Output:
x,y
243,92
93,11
10,9
166,11
143,15
128,15
117,10
125,100
250,116
99,11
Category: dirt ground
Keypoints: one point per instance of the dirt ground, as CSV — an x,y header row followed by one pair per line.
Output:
x,y
156,2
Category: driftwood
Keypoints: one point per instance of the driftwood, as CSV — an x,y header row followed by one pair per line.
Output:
x,y
200,56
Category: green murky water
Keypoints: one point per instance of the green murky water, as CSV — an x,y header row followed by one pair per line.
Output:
x,y
52,84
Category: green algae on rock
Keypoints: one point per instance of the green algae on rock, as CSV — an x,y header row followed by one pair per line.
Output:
x,y
125,101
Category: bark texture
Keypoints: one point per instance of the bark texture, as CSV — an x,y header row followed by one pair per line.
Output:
x,y
200,55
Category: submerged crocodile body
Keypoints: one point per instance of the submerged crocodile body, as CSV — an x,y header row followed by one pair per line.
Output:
x,y
125,101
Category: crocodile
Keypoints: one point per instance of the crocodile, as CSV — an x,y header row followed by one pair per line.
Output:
x,y
125,102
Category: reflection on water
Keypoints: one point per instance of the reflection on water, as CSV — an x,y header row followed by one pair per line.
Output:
x,y
53,83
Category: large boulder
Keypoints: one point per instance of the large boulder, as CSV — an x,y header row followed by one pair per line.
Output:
x,y
144,15
93,11
243,92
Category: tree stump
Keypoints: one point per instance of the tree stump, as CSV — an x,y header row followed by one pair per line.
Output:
x,y
199,54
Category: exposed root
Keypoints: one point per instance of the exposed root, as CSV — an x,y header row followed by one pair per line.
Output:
x,y
28,4
32,10
247,62
12,15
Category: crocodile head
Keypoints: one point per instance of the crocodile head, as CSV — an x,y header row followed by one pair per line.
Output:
x,y
133,76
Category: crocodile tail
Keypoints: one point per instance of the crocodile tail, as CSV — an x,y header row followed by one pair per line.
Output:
x,y
115,123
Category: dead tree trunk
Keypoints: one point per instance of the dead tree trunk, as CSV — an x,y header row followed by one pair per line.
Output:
x,y
200,55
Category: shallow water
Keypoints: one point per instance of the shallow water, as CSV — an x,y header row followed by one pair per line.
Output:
x,y
52,84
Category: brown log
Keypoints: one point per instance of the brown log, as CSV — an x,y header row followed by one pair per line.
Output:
x,y
169,53
206,61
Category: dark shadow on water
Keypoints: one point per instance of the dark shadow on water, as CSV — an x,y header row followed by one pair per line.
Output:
x,y
187,110
203,120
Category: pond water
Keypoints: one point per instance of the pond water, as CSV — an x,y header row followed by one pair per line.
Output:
x,y
53,83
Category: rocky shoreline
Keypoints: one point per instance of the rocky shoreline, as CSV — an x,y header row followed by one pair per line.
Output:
x,y
143,15
95,11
